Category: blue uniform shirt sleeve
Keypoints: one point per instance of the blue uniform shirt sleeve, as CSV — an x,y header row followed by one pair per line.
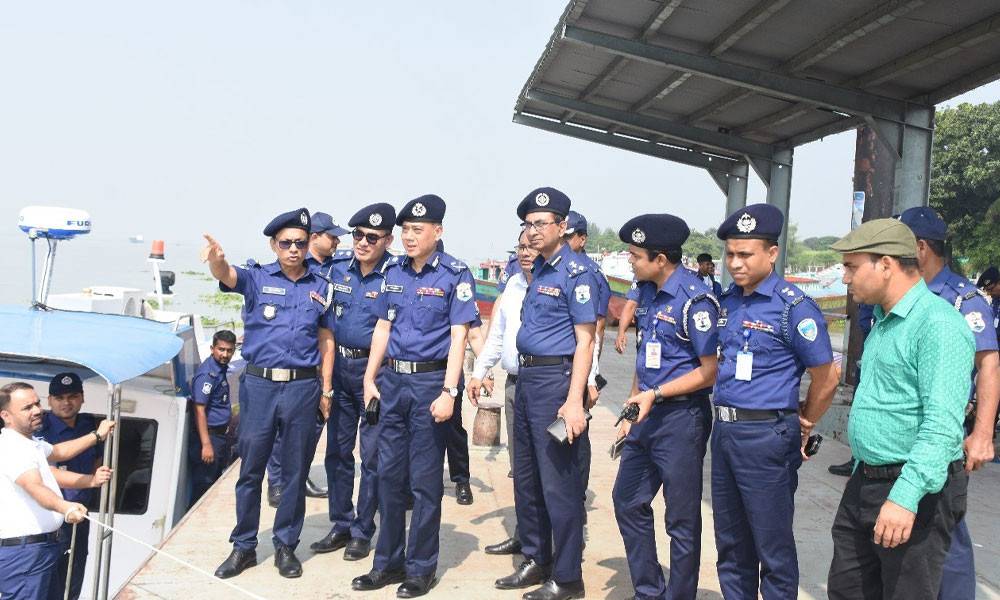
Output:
x,y
582,296
463,308
605,294
633,292
703,320
809,336
198,392
244,281
979,317
380,307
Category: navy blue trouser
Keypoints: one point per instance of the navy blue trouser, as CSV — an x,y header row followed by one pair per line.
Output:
x,y
958,579
57,585
410,444
26,571
666,450
202,475
346,418
548,486
266,408
754,476
274,478
458,441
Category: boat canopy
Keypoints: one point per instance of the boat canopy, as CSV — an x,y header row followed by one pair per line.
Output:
x,y
116,347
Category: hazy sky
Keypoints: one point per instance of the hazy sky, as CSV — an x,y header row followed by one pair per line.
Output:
x,y
175,118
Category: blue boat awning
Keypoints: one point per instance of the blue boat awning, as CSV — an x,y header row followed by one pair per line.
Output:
x,y
117,348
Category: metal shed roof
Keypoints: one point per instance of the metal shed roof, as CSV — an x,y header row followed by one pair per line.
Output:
x,y
713,82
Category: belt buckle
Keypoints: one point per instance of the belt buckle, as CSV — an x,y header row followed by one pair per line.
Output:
x,y
727,414
281,375
404,366
521,360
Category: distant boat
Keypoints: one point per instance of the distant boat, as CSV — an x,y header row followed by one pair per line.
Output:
x,y
136,239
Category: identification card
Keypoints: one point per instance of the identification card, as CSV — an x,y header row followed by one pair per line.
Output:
x,y
744,366
652,355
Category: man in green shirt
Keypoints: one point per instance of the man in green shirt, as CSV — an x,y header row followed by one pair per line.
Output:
x,y
895,520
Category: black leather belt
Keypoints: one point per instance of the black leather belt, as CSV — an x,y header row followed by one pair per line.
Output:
x,y
38,538
281,374
408,367
728,414
530,360
218,429
891,472
353,352
683,398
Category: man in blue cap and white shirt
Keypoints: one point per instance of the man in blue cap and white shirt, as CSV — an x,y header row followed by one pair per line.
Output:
x,y
289,348
674,372
770,332
324,237
556,346
426,306
357,278
959,575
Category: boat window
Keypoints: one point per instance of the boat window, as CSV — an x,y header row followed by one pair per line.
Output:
x,y
135,466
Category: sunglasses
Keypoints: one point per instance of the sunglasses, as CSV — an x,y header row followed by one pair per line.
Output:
x,y
371,238
286,244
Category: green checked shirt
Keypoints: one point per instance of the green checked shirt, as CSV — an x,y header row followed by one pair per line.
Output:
x,y
910,403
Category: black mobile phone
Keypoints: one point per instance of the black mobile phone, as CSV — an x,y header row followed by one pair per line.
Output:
x,y
616,448
558,429
372,412
601,382
813,444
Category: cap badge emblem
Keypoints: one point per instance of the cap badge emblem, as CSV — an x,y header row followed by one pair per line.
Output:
x,y
746,223
638,236
66,380
375,219
419,210
304,218
542,199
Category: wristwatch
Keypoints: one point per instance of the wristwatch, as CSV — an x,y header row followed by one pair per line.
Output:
x,y
98,436
657,396
328,394
452,391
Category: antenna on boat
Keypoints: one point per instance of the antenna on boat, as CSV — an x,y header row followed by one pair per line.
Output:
x,y
52,224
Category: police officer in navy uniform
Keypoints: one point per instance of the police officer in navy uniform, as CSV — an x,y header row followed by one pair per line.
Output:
x,y
959,574
989,282
208,449
425,310
289,348
357,278
556,346
324,237
675,369
770,332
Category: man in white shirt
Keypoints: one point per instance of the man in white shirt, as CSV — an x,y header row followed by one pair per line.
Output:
x,y
32,508
501,345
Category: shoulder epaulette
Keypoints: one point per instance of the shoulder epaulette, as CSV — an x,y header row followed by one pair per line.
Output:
x,y
341,255
454,265
686,335
251,264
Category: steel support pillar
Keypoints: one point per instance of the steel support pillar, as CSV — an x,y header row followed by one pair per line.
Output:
x,y
779,192
909,143
736,198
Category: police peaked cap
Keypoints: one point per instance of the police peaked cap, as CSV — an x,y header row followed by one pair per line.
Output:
x,y
925,223
294,219
428,208
375,216
323,223
659,231
544,199
753,222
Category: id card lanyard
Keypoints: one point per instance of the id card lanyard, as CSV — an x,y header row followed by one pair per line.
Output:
x,y
652,346
744,359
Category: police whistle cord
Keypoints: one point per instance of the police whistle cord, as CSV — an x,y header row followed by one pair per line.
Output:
x,y
175,559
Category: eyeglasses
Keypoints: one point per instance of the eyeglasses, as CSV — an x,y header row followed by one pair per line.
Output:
x,y
371,238
286,244
537,225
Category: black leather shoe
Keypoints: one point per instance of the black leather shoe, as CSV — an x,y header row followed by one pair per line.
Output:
x,y
551,590
528,574
332,541
508,546
414,586
274,495
357,549
288,565
376,580
314,491
843,470
463,492
238,561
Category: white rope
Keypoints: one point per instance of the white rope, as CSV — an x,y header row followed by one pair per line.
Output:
x,y
175,559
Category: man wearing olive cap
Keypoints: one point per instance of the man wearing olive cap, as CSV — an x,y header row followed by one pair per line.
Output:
x,y
896,517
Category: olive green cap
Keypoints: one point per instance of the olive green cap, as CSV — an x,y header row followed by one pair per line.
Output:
x,y
884,237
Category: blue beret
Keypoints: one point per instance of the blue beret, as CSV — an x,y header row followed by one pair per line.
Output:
x,y
65,383
753,222
925,223
576,223
544,199
295,219
323,223
990,276
376,216
660,231
428,208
